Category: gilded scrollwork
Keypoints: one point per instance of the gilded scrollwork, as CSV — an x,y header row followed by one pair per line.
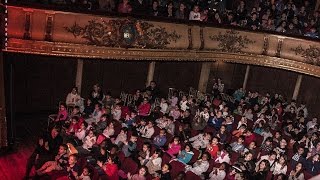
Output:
x,y
231,41
124,33
311,55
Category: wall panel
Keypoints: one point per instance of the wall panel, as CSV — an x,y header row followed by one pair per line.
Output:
x,y
180,75
40,82
114,76
272,80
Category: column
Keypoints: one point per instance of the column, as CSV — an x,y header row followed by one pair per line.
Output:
x,y
150,75
297,88
3,122
79,74
246,76
204,76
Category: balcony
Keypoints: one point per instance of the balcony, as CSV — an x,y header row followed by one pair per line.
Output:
x,y
82,35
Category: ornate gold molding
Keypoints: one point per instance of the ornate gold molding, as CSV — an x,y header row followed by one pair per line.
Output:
x,y
310,54
89,51
124,33
232,41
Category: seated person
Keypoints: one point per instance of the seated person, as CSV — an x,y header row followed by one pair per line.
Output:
x,y
200,141
60,162
238,145
200,166
160,140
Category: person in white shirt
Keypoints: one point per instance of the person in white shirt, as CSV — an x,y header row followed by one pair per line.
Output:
x,y
73,97
164,106
195,14
312,123
154,163
200,140
147,131
205,114
85,174
200,166
116,112
270,157
223,156
88,142
81,133
280,167
218,173
184,103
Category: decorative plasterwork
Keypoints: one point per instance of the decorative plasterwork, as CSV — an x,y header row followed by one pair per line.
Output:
x,y
310,55
231,41
87,51
124,33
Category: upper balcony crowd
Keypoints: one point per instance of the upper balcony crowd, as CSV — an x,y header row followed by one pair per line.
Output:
x,y
290,17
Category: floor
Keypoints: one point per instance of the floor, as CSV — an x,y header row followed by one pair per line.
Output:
x,y
13,159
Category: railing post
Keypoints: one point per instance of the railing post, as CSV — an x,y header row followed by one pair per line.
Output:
x,y
150,76
204,76
79,74
297,88
246,76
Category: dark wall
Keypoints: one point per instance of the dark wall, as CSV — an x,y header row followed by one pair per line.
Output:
x,y
114,76
39,82
179,75
232,75
272,80
309,92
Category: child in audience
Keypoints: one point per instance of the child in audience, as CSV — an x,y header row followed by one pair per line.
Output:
x,y
185,155
59,163
174,147
222,134
144,155
280,166
147,131
213,148
160,140
218,173
130,120
141,175
129,147
297,172
85,174
88,142
110,167
116,112
238,146
121,138
96,114
200,166
154,162
200,141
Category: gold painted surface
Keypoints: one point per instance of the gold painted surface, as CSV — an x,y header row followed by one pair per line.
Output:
x,y
64,43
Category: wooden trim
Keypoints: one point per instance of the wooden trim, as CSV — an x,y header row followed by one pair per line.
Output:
x,y
87,51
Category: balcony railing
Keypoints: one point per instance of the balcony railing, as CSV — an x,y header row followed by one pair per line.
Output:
x,y
53,32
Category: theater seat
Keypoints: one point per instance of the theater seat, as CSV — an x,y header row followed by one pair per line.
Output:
x,y
177,167
191,176
128,165
195,156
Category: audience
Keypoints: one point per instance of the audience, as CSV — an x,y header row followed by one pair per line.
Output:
x,y
237,139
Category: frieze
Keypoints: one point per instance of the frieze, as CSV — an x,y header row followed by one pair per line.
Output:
x,y
310,54
232,41
124,33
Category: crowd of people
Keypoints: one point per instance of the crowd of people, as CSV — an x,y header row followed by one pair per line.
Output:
x,y
178,136
293,17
